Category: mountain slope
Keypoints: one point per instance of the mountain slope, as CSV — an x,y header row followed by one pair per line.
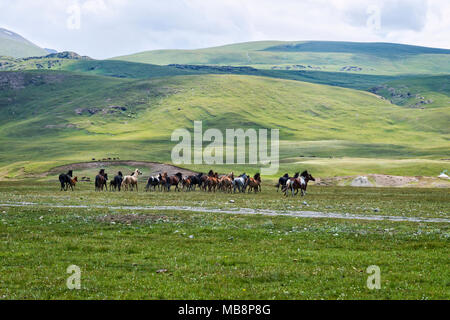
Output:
x,y
14,45
75,117
353,57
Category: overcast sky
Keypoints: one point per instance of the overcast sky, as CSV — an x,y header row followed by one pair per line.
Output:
x,y
108,28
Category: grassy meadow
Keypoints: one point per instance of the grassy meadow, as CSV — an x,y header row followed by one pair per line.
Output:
x,y
175,254
73,118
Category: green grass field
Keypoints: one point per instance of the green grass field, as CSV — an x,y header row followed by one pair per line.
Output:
x,y
219,255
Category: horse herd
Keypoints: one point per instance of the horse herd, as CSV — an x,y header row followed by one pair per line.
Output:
x,y
210,182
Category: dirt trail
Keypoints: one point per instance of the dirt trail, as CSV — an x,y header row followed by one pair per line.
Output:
x,y
243,211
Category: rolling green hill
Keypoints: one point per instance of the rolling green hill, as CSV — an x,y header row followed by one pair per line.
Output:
x,y
352,57
134,70
14,45
49,118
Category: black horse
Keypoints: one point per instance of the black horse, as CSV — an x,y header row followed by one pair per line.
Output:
x,y
196,180
282,181
65,180
116,183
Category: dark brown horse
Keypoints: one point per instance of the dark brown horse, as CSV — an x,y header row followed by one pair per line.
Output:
x,y
254,183
163,179
174,181
100,180
203,180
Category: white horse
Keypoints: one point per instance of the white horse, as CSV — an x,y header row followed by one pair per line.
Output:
x,y
240,183
131,180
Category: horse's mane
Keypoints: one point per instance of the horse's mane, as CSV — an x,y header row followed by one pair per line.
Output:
x,y
200,174
286,175
296,175
132,174
257,176
179,174
120,173
304,173
70,173
210,173
102,172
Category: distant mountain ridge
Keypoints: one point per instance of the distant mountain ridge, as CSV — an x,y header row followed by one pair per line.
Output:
x,y
356,57
374,48
16,46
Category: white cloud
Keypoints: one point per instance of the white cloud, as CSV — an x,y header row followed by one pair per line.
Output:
x,y
114,27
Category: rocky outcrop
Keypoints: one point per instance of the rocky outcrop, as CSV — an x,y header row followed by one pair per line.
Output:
x,y
106,110
225,69
19,80
60,55
351,68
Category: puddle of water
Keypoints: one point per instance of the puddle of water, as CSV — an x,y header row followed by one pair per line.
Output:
x,y
243,211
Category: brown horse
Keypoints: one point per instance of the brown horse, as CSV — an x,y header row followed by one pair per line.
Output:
x,y
212,182
73,182
131,180
203,180
226,183
254,183
186,183
163,178
174,181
